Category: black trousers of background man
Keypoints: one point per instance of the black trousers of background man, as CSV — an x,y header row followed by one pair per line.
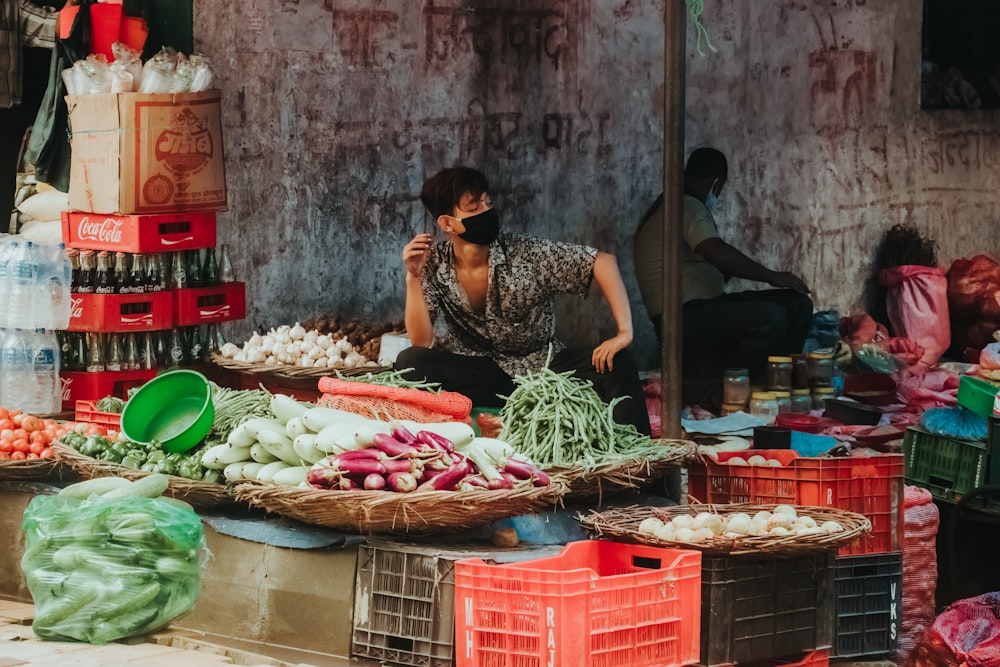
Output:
x,y
15,121
483,381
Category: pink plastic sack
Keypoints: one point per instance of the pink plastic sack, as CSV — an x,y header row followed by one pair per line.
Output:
x,y
917,305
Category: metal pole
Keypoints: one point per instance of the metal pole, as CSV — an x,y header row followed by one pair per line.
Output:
x,y
674,63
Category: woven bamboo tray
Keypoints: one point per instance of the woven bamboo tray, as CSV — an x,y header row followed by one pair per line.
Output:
x,y
418,512
292,372
605,479
28,469
196,492
622,524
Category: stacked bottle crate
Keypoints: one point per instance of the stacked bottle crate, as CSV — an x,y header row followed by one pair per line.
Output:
x,y
148,292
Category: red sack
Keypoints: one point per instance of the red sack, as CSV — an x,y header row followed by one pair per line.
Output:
x,y
974,288
966,633
917,305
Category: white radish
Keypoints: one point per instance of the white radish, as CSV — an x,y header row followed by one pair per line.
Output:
x,y
459,433
251,469
261,454
291,476
267,473
294,428
219,456
317,419
305,447
338,437
241,436
234,471
365,432
286,408
281,446
257,425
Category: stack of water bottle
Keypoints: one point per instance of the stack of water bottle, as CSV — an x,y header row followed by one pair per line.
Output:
x,y
34,302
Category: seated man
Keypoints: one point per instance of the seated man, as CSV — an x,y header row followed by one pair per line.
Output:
x,y
731,330
496,292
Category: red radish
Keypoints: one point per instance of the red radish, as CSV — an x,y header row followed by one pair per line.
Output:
x,y
374,482
523,470
402,481
402,465
371,453
393,447
437,441
498,483
359,466
347,484
477,480
402,434
447,479
319,478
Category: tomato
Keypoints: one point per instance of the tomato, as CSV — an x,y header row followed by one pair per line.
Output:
x,y
18,456
17,418
5,424
97,429
47,453
7,434
6,446
21,445
32,456
4,456
4,414
36,447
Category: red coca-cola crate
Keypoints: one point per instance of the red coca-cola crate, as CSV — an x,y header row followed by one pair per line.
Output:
x,y
139,233
82,386
218,303
869,485
121,312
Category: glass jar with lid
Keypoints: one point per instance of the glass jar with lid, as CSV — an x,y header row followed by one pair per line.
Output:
x,y
819,396
784,400
779,373
736,386
801,401
732,408
764,404
820,369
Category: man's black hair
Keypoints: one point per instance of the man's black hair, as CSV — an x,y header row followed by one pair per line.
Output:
x,y
706,163
443,191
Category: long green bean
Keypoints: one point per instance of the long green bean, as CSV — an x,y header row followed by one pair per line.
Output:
x,y
559,419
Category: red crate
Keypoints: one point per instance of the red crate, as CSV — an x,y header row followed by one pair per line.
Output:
x,y
139,233
819,658
121,312
596,604
218,303
872,486
81,386
86,411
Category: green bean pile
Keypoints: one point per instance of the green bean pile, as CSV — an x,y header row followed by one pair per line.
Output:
x,y
235,406
557,419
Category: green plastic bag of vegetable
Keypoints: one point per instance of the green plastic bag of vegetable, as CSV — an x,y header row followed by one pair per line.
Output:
x,y
102,569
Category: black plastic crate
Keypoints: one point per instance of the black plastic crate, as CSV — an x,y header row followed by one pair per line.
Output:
x,y
757,608
869,605
404,600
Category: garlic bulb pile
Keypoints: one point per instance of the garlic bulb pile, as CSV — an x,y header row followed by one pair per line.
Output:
x,y
783,521
295,346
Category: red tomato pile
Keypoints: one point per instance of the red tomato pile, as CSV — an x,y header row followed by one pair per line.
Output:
x,y
24,436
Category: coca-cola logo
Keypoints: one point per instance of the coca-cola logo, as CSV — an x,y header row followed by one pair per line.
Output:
x,y
221,311
175,242
139,320
65,388
76,309
108,230
186,146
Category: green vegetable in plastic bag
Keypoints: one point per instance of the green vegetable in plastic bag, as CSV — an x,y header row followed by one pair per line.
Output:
x,y
102,569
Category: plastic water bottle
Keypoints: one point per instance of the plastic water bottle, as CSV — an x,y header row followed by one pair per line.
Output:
x,y
55,277
45,368
22,281
3,383
18,376
7,251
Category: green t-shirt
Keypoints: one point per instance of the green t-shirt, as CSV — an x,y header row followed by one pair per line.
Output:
x,y
700,279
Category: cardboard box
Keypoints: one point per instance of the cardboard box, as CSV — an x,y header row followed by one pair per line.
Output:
x,y
146,153
139,233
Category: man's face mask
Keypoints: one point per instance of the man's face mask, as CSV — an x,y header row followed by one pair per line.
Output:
x,y
711,200
481,229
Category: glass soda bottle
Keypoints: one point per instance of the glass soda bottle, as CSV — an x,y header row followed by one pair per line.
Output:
x,y
137,275
95,354
104,280
210,272
178,272
226,273
121,274
116,354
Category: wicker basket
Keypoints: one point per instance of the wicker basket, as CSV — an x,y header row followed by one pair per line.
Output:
x,y
292,372
418,512
28,469
604,479
623,524
195,492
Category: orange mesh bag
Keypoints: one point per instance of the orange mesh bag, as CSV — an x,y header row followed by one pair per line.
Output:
x,y
920,526
420,405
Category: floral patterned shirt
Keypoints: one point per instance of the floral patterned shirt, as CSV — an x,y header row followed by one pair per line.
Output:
x,y
525,274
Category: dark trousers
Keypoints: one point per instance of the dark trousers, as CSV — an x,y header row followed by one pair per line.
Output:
x,y
738,330
483,381
15,121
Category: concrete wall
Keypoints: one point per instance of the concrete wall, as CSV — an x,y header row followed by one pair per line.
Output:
x,y
336,111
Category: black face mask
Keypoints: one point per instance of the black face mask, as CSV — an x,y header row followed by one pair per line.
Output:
x,y
481,229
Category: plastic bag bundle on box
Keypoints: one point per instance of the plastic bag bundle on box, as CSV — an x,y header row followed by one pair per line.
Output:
x,y
920,527
103,569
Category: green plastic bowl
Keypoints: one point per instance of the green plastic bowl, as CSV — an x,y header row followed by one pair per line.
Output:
x,y
976,395
174,409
